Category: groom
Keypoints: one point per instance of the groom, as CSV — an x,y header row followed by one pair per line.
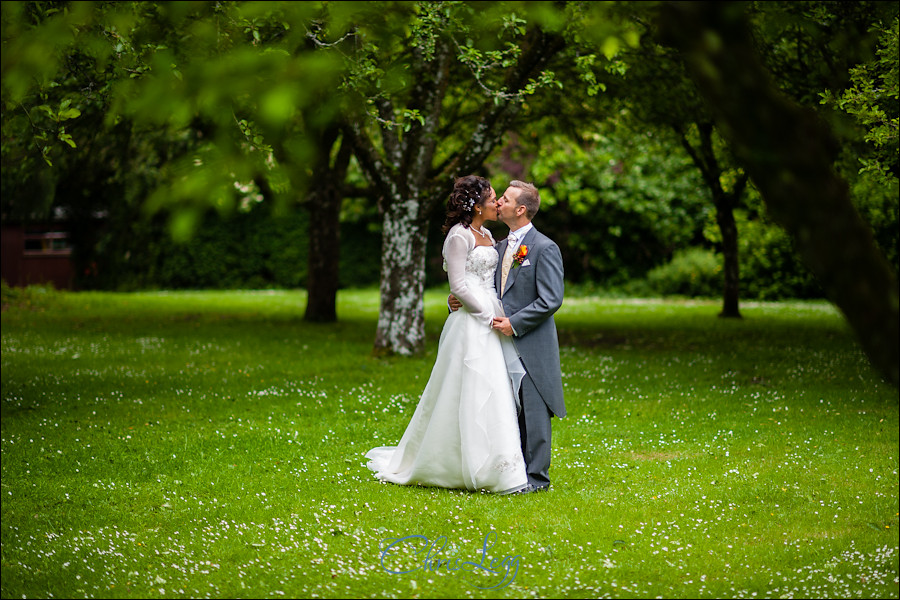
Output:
x,y
529,280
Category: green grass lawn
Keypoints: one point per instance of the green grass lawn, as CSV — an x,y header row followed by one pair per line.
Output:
x,y
211,444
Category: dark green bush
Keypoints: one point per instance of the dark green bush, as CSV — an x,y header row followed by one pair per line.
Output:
x,y
770,269
247,250
694,272
251,250
32,297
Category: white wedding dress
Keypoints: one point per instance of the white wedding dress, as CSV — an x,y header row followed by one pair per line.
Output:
x,y
465,432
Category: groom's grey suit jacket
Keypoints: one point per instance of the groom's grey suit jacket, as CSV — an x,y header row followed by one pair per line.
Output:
x,y
534,291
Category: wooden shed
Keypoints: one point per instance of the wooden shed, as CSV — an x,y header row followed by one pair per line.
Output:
x,y
37,254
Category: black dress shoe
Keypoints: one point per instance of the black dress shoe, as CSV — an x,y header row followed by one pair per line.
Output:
x,y
533,488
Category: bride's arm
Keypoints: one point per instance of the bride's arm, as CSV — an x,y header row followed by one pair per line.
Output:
x,y
456,250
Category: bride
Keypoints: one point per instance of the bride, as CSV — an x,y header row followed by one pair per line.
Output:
x,y
465,433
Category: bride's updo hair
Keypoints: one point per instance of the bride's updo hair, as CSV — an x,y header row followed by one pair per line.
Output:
x,y
468,192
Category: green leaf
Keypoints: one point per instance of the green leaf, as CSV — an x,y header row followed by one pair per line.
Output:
x,y
610,47
632,38
68,113
65,137
278,104
183,224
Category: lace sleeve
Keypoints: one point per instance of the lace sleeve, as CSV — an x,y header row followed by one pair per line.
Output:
x,y
456,251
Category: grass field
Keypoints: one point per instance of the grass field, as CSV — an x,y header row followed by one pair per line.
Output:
x,y
210,444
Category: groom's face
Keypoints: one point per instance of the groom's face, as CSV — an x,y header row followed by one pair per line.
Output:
x,y
507,204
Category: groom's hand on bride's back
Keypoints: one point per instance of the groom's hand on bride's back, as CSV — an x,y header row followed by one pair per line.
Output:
x,y
453,303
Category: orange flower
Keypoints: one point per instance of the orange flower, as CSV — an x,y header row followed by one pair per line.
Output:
x,y
520,254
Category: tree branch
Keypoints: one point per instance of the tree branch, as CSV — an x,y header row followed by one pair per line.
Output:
x,y
368,159
498,117
389,138
430,90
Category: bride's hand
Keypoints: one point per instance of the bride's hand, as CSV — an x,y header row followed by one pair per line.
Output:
x,y
454,303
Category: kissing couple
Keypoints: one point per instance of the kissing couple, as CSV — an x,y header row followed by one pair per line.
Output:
x,y
483,420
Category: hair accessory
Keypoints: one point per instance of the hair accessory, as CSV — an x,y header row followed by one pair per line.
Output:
x,y
468,200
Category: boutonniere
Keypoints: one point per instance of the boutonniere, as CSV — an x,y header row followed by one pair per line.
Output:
x,y
520,255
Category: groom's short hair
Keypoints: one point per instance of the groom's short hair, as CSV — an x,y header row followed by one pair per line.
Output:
x,y
529,197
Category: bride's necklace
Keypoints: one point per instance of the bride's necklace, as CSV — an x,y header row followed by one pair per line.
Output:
x,y
483,235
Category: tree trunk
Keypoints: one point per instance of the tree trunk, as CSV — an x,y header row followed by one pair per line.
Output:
x,y
323,276
728,228
789,153
324,253
401,321
704,159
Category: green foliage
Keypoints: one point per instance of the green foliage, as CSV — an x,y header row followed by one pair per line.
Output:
x,y
619,202
811,47
693,272
877,198
873,99
34,297
43,99
232,77
769,266
843,60
361,255
247,250
251,249
118,109
770,269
